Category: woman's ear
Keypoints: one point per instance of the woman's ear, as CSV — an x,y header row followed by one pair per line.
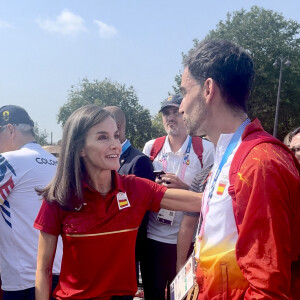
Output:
x,y
82,153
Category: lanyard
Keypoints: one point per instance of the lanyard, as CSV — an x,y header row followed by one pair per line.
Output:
x,y
125,146
185,161
232,144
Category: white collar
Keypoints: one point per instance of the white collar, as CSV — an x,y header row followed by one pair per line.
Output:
x,y
124,142
222,144
167,147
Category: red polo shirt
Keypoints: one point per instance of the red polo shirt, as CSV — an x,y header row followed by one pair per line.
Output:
x,y
99,240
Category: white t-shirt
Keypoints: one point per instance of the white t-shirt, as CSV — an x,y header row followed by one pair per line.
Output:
x,y
22,171
220,232
164,232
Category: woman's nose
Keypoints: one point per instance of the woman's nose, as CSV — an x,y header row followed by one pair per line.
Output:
x,y
115,144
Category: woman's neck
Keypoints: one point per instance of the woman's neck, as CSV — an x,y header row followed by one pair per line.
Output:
x,y
101,181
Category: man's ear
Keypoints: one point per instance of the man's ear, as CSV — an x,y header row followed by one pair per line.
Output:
x,y
11,128
209,89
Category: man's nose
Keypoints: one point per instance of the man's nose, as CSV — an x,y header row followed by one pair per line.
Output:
x,y
171,116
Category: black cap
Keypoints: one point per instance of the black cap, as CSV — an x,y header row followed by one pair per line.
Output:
x,y
12,114
174,100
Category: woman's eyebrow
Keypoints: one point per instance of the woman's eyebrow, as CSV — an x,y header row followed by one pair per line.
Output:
x,y
101,132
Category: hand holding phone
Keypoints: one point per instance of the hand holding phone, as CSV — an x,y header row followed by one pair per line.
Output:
x,y
159,174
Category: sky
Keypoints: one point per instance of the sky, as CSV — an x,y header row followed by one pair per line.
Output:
x,y
49,46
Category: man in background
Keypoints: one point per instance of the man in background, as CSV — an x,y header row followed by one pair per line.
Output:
x,y
181,159
24,166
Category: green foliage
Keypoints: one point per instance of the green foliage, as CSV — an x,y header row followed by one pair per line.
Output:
x,y
158,126
40,137
267,35
139,127
176,87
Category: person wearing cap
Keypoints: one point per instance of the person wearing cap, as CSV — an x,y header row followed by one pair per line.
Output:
x,y
180,162
24,166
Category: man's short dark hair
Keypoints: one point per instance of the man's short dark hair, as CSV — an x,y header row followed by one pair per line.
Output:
x,y
227,64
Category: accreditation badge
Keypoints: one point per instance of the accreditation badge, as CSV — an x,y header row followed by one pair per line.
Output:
x,y
122,200
183,281
165,216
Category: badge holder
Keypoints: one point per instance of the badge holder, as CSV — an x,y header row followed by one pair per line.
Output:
x,y
165,216
183,283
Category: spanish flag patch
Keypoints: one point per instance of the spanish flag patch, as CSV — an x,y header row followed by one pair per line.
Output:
x,y
122,200
221,188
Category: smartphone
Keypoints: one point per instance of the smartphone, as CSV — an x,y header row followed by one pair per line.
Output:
x,y
158,175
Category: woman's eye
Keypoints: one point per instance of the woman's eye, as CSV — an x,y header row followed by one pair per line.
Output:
x,y
102,137
117,136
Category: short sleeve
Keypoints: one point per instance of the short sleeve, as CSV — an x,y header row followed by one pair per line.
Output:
x,y
148,193
7,177
158,193
147,147
49,218
208,153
